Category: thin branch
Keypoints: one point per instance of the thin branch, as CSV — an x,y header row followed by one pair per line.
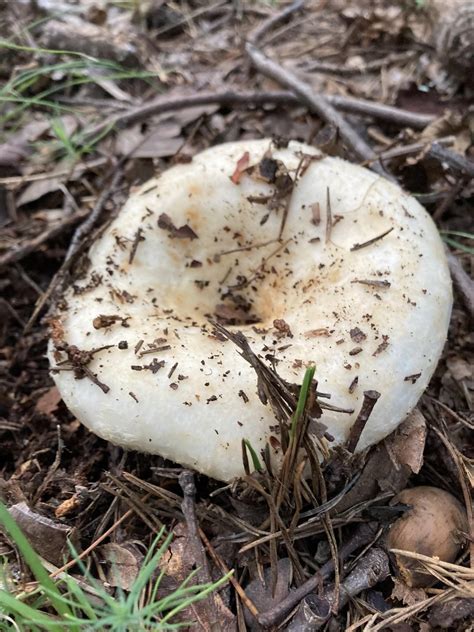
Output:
x,y
86,227
365,533
454,160
75,246
316,103
370,66
314,611
381,111
163,104
259,33
222,565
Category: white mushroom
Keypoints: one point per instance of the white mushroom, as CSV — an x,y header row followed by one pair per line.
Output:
x,y
357,284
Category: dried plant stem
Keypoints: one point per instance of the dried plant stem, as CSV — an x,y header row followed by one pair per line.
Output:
x,y
220,562
259,33
101,538
363,536
188,507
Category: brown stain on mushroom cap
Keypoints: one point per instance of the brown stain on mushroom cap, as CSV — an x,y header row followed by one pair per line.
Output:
x,y
194,217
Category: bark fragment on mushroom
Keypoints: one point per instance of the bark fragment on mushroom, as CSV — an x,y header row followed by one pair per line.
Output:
x,y
247,250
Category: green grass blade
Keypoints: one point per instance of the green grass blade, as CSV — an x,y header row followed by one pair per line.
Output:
x,y
253,455
458,245
81,601
33,561
206,590
149,566
458,233
12,605
303,396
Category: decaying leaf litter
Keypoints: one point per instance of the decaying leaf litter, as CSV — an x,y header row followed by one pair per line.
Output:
x,y
143,87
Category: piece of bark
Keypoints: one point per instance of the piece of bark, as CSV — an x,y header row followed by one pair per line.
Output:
x,y
177,563
390,463
47,537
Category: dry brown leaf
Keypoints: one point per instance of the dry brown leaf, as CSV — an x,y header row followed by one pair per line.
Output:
x,y
160,142
48,402
460,369
390,463
67,506
407,445
405,594
448,614
37,189
123,563
18,147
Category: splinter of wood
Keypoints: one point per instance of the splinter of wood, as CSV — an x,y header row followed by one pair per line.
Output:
x,y
370,399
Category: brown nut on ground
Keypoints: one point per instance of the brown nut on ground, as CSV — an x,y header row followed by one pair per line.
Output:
x,y
432,527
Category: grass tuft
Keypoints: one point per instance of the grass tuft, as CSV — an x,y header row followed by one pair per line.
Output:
x,y
140,608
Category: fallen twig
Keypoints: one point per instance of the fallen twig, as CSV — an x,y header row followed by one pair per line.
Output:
x,y
248,603
454,160
163,104
364,535
370,399
186,481
370,66
77,242
381,111
101,538
258,34
86,227
435,150
315,103
314,611
410,148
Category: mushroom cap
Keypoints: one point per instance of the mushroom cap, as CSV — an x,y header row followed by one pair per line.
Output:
x,y
192,243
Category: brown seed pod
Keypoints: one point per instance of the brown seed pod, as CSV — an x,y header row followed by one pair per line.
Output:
x,y
432,527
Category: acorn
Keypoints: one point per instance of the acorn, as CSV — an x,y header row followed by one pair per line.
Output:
x,y
435,526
